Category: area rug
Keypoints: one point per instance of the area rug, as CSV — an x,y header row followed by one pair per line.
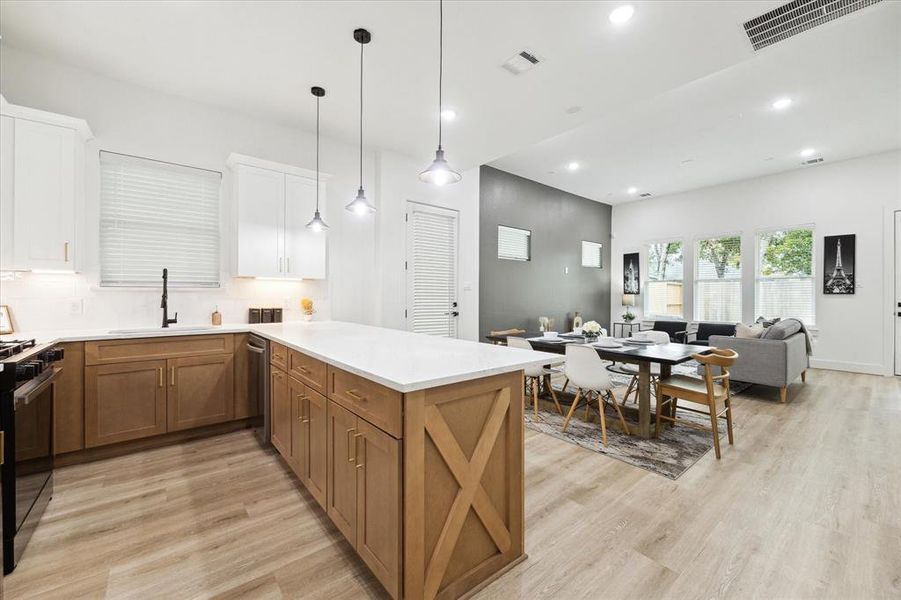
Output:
x,y
670,455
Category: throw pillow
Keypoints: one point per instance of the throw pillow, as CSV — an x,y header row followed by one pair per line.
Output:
x,y
783,330
748,332
767,322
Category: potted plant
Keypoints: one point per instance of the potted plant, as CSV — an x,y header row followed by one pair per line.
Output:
x,y
591,330
306,306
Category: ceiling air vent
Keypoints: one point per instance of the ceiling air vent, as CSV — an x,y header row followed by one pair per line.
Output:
x,y
796,17
644,195
812,161
522,62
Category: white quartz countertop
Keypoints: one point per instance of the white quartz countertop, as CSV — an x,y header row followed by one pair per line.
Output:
x,y
400,360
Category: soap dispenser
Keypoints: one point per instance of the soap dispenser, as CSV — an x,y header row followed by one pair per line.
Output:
x,y
217,317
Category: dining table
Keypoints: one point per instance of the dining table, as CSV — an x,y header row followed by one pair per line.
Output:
x,y
643,356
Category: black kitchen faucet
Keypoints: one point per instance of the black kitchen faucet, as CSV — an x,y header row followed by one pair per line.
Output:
x,y
165,302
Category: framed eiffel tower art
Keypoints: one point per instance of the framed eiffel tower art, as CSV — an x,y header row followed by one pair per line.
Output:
x,y
838,264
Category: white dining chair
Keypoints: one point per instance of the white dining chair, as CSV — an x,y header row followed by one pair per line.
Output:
x,y
586,371
601,333
534,376
658,337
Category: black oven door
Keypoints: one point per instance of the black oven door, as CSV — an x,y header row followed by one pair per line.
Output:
x,y
28,465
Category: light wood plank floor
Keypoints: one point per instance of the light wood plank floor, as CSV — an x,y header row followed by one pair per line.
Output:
x,y
807,504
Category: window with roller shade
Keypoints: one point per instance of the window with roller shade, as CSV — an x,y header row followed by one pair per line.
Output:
x,y
784,283
513,243
592,255
154,215
718,279
663,290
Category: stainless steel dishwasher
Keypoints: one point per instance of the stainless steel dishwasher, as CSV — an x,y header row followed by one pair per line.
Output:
x,y
258,381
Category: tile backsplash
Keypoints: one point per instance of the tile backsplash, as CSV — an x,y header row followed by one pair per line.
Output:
x,y
45,301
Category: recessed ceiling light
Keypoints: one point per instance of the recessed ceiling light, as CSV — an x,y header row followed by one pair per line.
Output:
x,y
573,166
807,152
781,103
632,191
448,114
621,15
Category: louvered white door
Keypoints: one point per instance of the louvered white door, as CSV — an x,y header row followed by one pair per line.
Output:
x,y
432,238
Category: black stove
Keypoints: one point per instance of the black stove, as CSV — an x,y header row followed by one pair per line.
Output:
x,y
28,372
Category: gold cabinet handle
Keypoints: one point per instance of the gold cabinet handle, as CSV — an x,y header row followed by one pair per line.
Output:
x,y
288,262
350,459
356,454
355,396
161,376
66,251
172,376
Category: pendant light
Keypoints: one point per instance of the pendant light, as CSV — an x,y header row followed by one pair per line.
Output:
x,y
360,205
439,172
317,224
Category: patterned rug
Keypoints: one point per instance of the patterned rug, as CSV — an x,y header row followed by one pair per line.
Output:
x,y
670,455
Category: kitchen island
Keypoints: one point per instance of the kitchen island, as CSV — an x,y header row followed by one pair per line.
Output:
x,y
412,445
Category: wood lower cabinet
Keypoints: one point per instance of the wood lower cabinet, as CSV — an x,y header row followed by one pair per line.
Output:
x,y
280,412
342,470
299,439
124,401
68,401
378,466
201,391
316,477
138,388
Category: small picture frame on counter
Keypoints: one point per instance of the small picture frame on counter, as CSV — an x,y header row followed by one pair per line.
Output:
x,y
6,321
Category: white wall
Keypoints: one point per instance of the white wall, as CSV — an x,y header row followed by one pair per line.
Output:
x,y
366,279
398,184
134,120
857,196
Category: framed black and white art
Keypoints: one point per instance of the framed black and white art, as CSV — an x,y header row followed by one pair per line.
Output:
x,y
631,274
838,264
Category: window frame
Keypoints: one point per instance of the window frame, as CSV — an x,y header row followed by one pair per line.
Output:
x,y
813,267
644,255
742,264
193,286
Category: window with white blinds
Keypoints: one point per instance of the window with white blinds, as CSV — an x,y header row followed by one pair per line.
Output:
x,y
784,286
154,215
718,279
663,290
592,254
513,243
432,270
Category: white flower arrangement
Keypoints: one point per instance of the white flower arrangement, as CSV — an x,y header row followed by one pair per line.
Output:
x,y
591,328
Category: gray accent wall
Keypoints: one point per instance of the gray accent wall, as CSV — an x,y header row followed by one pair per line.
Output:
x,y
516,293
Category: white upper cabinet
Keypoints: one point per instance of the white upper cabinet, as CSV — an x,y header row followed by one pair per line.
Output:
x,y
260,215
304,249
41,189
272,205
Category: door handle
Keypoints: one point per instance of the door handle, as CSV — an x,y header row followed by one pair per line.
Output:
x,y
161,376
288,264
356,454
353,394
172,376
66,251
279,264
351,459
455,313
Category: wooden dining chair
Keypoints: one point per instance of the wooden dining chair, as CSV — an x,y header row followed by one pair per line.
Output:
x,y
712,392
533,376
506,332
586,371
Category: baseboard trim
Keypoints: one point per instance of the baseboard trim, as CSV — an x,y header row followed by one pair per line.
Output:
x,y
837,365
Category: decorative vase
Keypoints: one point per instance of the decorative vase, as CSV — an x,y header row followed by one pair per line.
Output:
x,y
577,321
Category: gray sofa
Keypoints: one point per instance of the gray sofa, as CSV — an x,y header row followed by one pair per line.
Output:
x,y
773,362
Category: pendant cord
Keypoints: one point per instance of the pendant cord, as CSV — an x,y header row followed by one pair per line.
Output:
x,y
317,155
361,116
440,63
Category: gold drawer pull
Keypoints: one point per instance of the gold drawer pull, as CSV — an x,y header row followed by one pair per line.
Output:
x,y
66,251
355,396
161,376
302,369
172,376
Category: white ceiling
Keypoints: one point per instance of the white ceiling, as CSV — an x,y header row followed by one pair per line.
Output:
x,y
665,87
845,82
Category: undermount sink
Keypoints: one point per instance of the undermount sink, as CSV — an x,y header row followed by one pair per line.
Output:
x,y
161,330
